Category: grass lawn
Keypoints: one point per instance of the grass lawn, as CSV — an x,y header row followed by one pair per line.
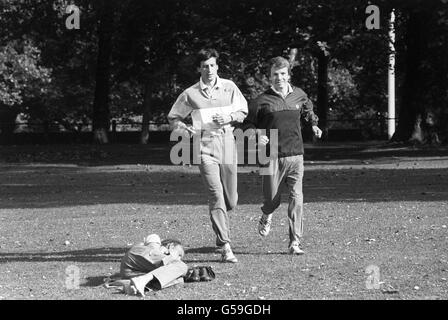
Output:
x,y
68,209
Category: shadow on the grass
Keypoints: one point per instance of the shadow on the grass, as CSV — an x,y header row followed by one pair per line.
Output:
x,y
60,179
24,188
202,250
86,255
159,153
94,281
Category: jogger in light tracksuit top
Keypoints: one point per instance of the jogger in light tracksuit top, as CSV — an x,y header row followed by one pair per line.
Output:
x,y
215,105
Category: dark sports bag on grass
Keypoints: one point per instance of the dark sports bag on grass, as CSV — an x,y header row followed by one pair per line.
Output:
x,y
200,273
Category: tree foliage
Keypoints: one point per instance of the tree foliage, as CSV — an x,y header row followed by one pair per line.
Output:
x,y
52,72
22,77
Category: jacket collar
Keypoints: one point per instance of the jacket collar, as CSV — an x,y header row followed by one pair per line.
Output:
x,y
290,89
203,86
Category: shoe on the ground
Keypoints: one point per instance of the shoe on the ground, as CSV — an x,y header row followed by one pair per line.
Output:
x,y
204,275
264,226
192,275
294,248
227,254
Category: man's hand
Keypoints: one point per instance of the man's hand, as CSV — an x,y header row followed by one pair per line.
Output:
x,y
317,132
174,253
187,131
222,119
190,130
263,140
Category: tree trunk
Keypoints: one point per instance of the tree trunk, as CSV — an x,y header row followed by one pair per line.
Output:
x,y
412,105
101,103
8,117
322,91
144,137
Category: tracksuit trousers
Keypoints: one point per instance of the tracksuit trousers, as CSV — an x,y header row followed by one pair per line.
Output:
x,y
218,169
289,170
165,275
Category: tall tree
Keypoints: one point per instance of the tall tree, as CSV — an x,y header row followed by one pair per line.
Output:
x,y
424,89
412,105
101,121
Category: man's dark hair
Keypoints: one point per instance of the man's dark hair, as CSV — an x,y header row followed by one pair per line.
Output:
x,y
174,243
279,63
205,54
166,242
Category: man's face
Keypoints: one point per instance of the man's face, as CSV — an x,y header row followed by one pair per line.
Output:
x,y
209,70
279,78
175,250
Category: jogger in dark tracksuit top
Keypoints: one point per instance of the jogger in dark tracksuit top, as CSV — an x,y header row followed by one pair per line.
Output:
x,y
281,108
